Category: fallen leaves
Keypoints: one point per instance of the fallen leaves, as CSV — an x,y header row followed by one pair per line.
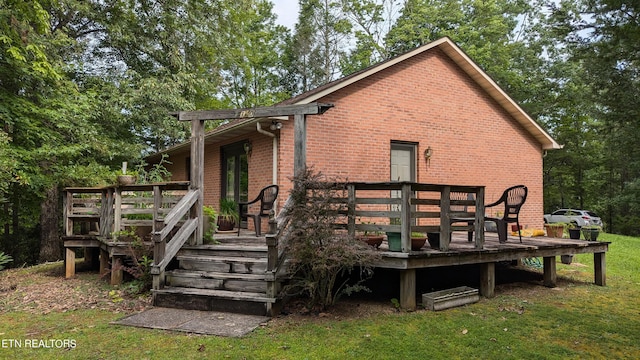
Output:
x,y
44,292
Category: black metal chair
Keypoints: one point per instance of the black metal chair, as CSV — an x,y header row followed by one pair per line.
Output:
x,y
267,198
513,198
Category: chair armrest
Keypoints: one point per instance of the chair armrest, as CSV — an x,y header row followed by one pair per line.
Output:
x,y
494,203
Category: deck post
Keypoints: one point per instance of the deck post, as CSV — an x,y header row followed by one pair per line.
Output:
x,y
70,263
408,289
351,210
104,262
488,279
479,223
600,268
445,218
197,176
405,219
117,211
116,270
549,271
299,143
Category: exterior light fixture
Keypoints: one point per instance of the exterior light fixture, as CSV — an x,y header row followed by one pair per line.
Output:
x,y
247,148
428,152
275,125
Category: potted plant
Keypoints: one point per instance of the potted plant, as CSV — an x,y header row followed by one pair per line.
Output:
x,y
591,232
566,259
417,240
373,238
228,216
574,232
555,230
125,178
394,239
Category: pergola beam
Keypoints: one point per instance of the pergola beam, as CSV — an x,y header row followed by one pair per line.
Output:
x,y
258,112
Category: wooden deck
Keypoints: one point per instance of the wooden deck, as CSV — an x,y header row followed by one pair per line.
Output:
x,y
461,252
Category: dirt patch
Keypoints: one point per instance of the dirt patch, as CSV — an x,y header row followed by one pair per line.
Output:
x,y
43,289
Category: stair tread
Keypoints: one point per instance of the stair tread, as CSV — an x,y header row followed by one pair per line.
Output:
x,y
221,275
215,258
233,295
230,247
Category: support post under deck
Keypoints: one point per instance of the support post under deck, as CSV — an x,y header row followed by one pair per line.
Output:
x,y
600,268
408,289
488,279
70,263
550,275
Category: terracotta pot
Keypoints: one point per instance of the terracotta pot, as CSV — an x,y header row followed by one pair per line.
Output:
x,y
225,224
373,240
555,231
417,243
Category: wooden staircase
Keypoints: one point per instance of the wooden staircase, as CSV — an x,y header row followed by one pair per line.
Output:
x,y
231,276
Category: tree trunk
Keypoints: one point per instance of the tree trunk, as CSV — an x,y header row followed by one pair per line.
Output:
x,y
50,244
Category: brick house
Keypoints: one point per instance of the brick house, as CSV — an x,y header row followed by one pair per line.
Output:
x,y
430,116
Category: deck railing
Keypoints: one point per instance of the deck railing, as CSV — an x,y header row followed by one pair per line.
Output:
x,y
166,246
104,212
407,207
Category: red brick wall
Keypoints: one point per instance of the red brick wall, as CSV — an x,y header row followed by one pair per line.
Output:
x,y
427,100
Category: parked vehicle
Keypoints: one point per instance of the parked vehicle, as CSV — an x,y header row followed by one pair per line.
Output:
x,y
579,218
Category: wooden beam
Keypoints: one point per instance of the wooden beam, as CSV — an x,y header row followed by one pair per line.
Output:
x,y
549,271
408,289
70,263
299,143
600,268
488,279
197,176
116,270
258,112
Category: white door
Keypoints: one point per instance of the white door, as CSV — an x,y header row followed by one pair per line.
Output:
x,y
402,167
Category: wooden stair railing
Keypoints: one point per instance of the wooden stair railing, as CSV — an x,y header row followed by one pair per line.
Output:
x,y
164,251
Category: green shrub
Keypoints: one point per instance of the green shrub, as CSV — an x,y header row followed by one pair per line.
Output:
x,y
4,259
322,260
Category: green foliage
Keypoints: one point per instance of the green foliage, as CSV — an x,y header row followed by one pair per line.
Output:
x,y
155,173
229,210
322,260
211,217
4,259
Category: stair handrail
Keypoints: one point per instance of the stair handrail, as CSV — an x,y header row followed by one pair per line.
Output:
x,y
276,237
164,251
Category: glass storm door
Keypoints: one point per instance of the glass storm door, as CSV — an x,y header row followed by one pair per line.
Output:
x,y
235,173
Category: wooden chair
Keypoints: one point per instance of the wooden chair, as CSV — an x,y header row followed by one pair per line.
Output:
x,y
267,198
513,198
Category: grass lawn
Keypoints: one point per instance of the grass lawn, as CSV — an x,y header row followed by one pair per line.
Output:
x,y
576,320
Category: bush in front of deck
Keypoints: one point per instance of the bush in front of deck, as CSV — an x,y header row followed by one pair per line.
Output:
x,y
322,259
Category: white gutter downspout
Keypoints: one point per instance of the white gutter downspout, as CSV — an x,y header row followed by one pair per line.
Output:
x,y
275,151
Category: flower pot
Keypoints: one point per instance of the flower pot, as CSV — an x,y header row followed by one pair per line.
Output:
x,y
590,234
373,240
417,243
126,179
555,231
225,224
574,234
394,241
434,240
566,259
